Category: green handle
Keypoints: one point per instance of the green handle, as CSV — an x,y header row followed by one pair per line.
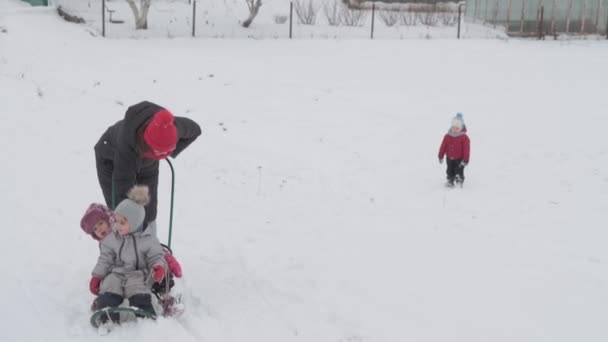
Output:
x,y
172,198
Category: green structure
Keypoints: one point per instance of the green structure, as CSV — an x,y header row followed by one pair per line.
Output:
x,y
558,16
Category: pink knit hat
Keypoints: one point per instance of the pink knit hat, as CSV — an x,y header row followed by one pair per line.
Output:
x,y
95,213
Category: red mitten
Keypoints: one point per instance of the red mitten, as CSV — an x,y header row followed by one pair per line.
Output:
x,y
94,285
159,273
174,266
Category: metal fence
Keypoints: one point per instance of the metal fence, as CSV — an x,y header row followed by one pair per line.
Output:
x,y
333,19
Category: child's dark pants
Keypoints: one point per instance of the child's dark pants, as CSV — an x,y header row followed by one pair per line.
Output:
x,y
109,299
455,172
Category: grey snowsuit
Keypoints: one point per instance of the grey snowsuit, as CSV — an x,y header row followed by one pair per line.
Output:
x,y
125,263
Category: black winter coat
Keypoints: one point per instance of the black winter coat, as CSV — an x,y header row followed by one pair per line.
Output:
x,y
120,160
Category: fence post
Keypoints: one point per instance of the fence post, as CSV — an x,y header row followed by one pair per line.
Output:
x,y
459,18
290,19
194,18
103,18
541,24
607,25
373,18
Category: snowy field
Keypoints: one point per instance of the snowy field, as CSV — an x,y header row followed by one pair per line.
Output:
x,y
312,208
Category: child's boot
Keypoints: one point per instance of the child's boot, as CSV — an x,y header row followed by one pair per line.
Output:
x,y
106,300
144,302
450,182
459,180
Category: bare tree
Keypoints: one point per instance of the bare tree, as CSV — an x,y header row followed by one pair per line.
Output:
x,y
332,12
429,18
427,15
408,18
390,18
254,9
306,11
448,18
140,13
352,17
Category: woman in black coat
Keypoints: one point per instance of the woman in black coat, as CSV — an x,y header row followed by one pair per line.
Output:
x,y
129,152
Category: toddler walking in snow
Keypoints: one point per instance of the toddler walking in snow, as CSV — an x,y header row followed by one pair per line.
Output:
x,y
456,147
130,259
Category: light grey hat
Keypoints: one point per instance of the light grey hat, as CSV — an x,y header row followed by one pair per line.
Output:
x,y
133,207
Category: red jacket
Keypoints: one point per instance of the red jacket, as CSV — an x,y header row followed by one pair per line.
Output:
x,y
455,147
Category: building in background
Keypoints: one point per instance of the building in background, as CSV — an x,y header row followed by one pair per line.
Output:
x,y
558,16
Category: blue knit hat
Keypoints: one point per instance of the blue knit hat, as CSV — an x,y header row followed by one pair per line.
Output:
x,y
458,121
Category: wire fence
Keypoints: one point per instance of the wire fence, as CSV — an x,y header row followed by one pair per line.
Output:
x,y
335,19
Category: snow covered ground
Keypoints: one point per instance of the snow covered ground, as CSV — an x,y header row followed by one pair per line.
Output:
x,y
312,208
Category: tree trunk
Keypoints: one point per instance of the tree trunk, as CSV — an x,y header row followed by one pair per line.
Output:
x,y
254,9
145,8
140,14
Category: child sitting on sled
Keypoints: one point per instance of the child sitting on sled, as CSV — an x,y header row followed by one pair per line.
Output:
x,y
130,260
97,222
456,147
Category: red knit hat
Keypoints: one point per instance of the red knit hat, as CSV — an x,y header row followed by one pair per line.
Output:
x,y
161,134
